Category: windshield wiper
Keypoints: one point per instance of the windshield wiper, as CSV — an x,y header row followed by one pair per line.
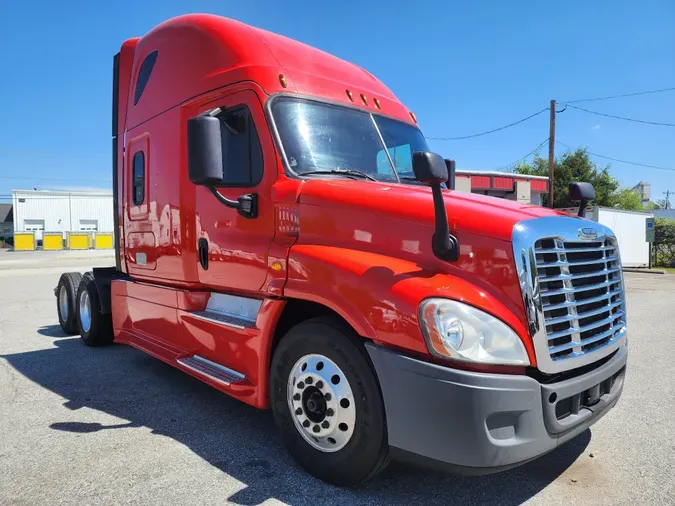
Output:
x,y
344,172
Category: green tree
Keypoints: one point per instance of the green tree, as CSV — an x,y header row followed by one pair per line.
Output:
x,y
627,199
664,242
651,206
573,166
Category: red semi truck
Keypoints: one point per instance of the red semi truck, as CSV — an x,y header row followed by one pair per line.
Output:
x,y
284,235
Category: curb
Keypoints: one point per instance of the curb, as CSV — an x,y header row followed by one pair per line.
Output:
x,y
643,271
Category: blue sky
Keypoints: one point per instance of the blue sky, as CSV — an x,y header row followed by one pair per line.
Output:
x,y
463,67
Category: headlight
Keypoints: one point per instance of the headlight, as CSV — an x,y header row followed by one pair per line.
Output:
x,y
459,331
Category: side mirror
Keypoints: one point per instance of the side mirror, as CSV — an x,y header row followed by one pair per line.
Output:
x,y
450,165
582,193
430,168
205,161
205,151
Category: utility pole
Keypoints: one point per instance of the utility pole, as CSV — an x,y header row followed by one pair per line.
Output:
x,y
551,155
667,194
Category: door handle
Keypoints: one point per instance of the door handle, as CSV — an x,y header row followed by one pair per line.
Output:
x,y
203,250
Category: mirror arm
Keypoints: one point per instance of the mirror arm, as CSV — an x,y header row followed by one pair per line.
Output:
x,y
246,205
444,245
582,208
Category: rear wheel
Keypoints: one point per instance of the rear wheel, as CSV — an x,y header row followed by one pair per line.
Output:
x,y
66,295
95,328
327,403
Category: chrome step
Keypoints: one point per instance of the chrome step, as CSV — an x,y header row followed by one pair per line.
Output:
x,y
238,322
212,370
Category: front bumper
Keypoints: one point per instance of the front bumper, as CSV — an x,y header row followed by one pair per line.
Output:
x,y
478,423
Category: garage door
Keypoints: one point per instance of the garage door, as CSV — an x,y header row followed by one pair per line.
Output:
x,y
88,225
37,226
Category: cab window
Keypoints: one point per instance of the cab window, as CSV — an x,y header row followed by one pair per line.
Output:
x,y
242,153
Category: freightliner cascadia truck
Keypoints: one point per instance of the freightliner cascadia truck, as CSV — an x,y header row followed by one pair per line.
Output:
x,y
284,235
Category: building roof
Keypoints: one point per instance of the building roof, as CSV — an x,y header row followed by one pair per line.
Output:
x,y
58,193
6,214
513,175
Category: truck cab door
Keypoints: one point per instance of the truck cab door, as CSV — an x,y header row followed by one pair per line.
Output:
x,y
232,249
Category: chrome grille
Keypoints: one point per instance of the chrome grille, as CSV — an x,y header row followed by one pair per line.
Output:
x,y
570,278
581,291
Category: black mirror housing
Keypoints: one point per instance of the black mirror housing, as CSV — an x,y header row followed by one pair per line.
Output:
x,y
205,151
450,165
429,167
582,193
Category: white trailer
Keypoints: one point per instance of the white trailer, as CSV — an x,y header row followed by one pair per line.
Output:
x,y
630,229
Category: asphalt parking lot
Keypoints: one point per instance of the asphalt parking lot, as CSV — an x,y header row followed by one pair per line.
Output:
x,y
115,426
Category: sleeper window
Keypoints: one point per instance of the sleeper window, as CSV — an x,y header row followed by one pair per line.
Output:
x,y
144,75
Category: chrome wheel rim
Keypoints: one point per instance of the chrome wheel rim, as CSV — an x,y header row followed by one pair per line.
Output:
x,y
63,303
321,403
85,311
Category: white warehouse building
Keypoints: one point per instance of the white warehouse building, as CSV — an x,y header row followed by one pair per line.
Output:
x,y
62,211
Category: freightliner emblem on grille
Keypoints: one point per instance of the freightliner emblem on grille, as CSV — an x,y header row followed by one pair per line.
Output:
x,y
587,233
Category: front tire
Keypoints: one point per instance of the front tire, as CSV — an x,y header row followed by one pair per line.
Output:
x,y
95,328
327,403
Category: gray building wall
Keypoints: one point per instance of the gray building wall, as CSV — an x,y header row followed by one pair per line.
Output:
x,y
6,219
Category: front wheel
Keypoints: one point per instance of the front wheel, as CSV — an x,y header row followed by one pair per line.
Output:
x,y
327,403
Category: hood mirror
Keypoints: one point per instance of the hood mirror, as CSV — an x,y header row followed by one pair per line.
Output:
x,y
582,193
450,165
430,168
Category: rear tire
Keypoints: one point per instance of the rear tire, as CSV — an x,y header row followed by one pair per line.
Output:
x,y
66,296
95,328
344,440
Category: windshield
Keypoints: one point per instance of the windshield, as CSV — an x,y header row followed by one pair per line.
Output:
x,y
323,137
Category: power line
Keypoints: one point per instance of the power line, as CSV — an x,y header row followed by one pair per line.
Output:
x,y
41,178
489,131
524,157
621,161
621,117
60,196
620,96
56,198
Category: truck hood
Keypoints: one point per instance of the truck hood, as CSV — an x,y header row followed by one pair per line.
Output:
x,y
467,212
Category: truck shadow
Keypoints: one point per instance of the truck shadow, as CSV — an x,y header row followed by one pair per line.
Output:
x,y
242,441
